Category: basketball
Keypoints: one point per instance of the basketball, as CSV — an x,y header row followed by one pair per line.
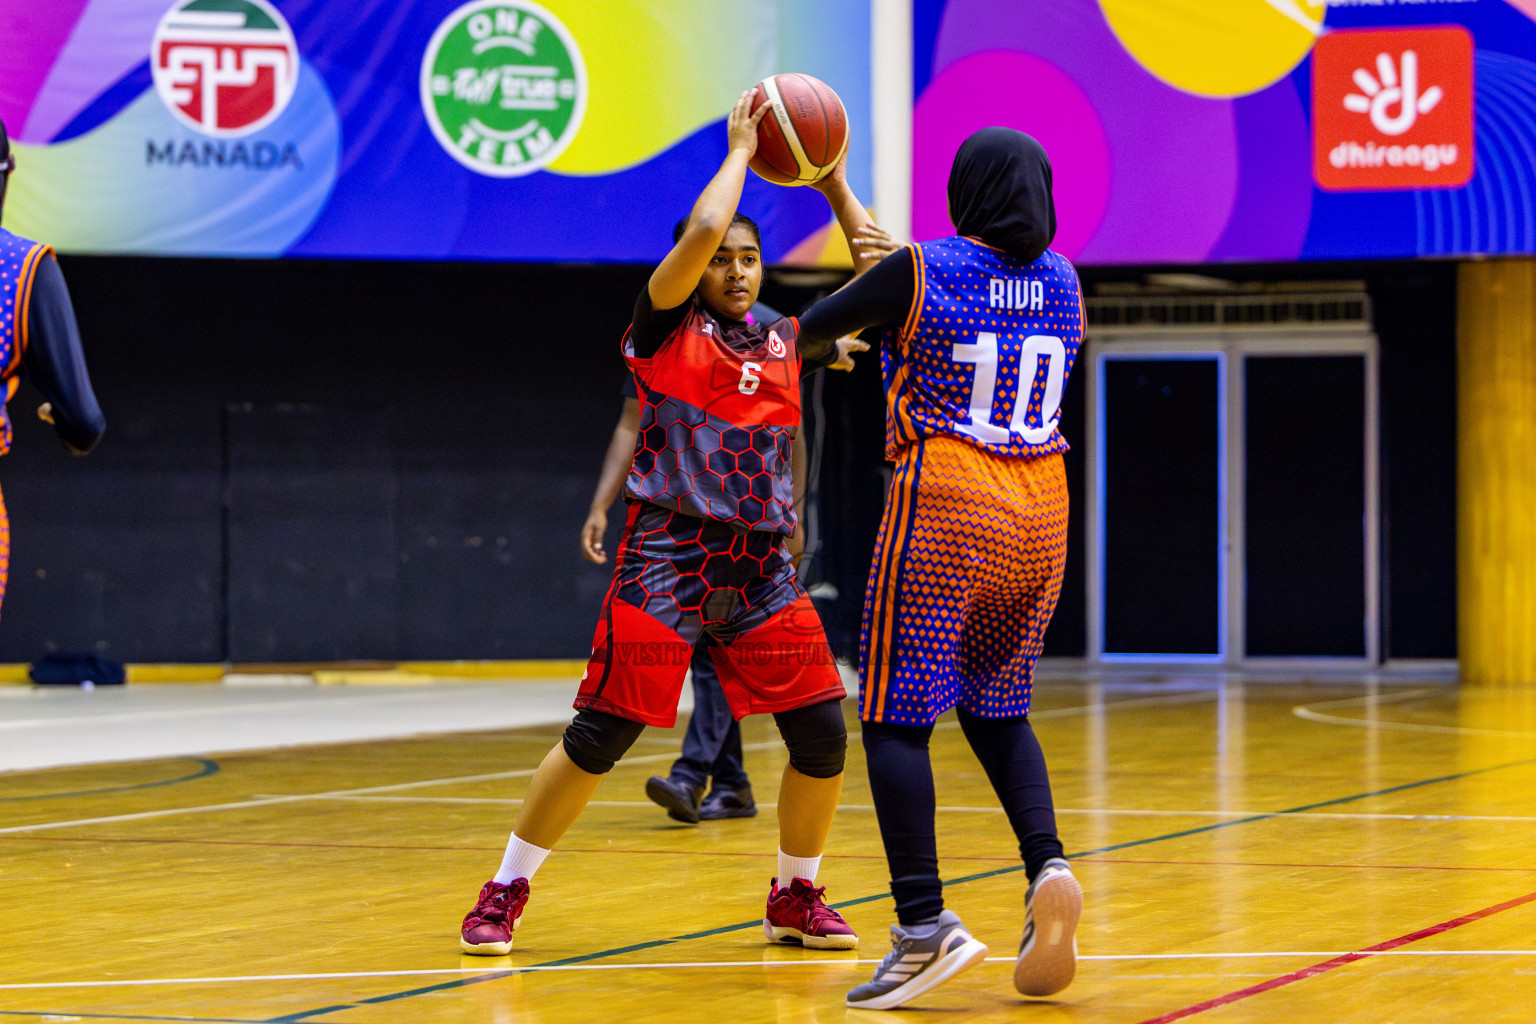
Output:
x,y
805,134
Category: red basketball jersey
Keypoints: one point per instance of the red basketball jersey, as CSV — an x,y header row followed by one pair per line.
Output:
x,y
719,407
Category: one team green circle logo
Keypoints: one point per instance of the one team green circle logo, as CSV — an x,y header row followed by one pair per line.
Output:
x,y
503,86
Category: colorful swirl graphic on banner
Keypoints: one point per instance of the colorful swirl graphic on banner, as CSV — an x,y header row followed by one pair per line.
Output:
x,y
275,127
1186,132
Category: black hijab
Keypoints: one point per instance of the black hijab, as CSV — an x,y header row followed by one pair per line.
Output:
x,y
5,163
1000,192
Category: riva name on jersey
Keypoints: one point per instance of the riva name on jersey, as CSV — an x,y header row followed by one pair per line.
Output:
x,y
1011,293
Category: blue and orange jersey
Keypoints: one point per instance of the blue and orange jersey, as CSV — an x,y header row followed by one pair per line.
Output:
x,y
986,350
19,258
718,411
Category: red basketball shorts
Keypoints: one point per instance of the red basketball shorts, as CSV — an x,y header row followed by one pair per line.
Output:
x,y
679,579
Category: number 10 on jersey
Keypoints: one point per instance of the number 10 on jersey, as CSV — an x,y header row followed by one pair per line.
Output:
x,y
983,355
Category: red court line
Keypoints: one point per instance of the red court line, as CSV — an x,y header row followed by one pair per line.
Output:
x,y
1340,961
1283,864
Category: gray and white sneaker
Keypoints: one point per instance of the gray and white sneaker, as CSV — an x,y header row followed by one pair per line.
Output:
x,y
1048,954
916,963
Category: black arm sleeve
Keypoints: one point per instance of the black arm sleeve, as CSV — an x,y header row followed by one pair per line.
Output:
x,y
882,297
56,363
651,326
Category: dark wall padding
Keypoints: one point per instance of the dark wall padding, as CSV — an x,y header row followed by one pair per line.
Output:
x,y
318,460
326,460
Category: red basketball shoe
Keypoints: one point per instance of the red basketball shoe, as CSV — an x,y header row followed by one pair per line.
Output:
x,y
797,914
488,928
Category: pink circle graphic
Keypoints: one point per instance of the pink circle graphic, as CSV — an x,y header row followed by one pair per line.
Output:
x,y
1017,90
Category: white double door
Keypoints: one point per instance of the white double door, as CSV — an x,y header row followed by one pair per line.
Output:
x,y
1233,499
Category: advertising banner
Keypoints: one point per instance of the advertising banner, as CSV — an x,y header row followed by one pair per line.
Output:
x,y
415,129
1192,131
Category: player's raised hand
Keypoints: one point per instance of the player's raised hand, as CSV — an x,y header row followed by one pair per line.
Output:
x,y
871,244
741,124
846,347
592,537
835,179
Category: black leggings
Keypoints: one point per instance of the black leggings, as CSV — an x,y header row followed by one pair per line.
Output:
x,y
901,779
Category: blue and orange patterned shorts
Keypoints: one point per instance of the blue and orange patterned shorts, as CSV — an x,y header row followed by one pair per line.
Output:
x,y
967,570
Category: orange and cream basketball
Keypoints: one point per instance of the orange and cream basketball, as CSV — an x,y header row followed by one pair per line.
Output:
x,y
805,133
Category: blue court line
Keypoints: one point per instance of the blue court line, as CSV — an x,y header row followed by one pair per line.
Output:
x,y
293,1018
207,768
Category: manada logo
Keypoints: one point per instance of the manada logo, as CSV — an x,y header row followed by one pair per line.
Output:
x,y
225,68
503,87
1392,109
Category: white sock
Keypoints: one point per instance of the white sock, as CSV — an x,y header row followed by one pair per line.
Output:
x,y
520,861
791,868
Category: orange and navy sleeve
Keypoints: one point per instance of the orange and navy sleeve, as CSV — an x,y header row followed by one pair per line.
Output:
x,y
882,297
52,354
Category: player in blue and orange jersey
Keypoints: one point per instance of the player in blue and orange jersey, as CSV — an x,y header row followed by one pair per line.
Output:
x,y
968,564
38,335
704,555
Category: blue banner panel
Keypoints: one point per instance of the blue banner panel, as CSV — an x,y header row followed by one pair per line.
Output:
x,y
492,129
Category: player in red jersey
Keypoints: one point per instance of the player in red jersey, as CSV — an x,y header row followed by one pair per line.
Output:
x,y
985,327
711,754
711,751
704,555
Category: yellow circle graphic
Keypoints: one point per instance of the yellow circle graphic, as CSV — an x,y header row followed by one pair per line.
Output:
x,y
1218,48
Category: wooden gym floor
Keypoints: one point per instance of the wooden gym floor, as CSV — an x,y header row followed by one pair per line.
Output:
x,y
1276,851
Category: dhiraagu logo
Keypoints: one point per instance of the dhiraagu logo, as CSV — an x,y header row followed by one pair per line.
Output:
x,y
503,86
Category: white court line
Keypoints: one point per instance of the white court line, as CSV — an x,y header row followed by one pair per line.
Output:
x,y
1309,713
1126,812
264,801
728,964
495,776
1200,696
254,708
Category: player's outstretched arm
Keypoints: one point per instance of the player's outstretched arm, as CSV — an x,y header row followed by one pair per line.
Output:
x,y
882,297
850,213
678,274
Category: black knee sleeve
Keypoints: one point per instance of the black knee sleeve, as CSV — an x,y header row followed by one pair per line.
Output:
x,y
816,737
595,740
